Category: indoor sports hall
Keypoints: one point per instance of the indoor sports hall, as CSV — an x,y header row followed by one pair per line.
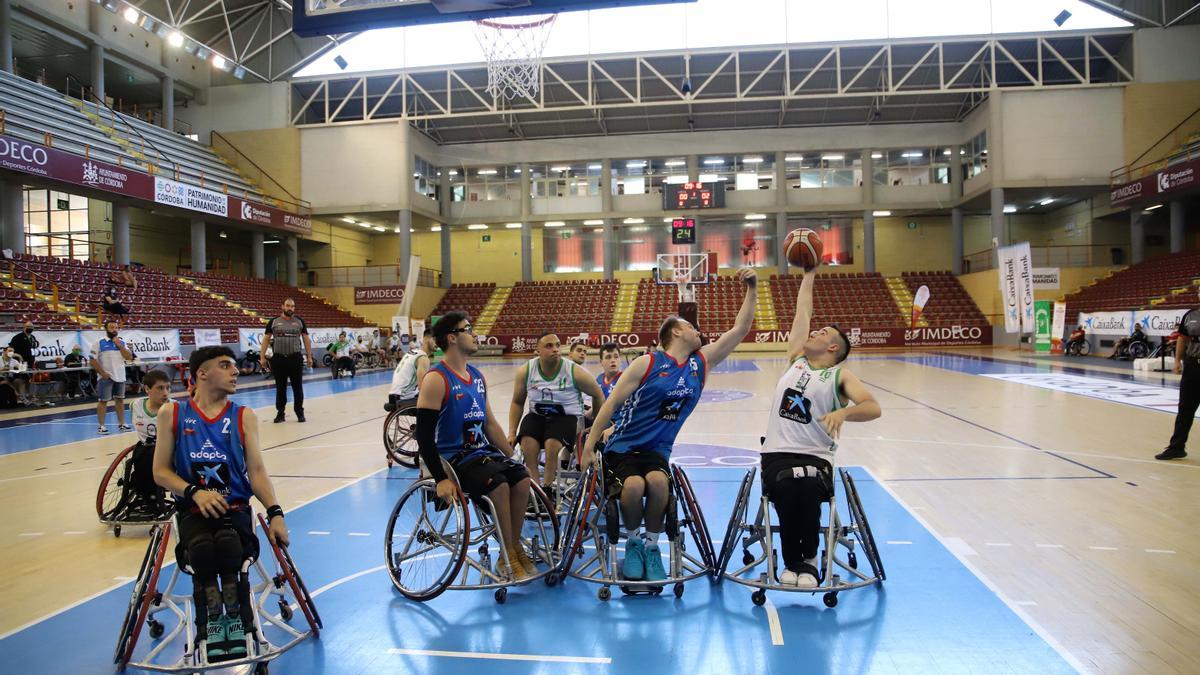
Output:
x,y
324,265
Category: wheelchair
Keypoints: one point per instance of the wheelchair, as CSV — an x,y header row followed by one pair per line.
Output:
x,y
760,532
594,522
400,435
267,602
431,546
1078,348
128,495
1133,349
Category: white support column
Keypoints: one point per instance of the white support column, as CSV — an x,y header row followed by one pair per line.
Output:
x,y
781,231
257,255
868,240
199,251
12,213
609,248
445,196
1137,236
606,191
693,168
120,230
97,54
405,240
956,234
956,172
999,231
292,260
526,194
447,257
868,179
168,102
6,23
526,250
1178,214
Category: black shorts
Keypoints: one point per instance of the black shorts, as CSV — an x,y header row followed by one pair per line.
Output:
x,y
479,476
620,466
776,463
192,525
541,428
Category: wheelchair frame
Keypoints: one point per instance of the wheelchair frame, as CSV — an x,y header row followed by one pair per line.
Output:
x,y
762,532
116,477
462,571
603,525
399,444
147,601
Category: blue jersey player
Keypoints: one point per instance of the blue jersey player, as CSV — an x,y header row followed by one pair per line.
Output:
x,y
648,406
455,423
208,454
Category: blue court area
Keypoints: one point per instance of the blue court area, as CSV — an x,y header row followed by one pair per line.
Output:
x,y
931,615
988,365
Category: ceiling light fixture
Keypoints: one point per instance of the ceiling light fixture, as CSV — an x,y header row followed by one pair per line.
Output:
x,y
881,214
1010,208
554,223
436,228
634,221
513,226
756,216
593,222
477,226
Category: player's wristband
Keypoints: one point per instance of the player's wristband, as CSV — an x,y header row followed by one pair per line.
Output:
x,y
190,491
273,511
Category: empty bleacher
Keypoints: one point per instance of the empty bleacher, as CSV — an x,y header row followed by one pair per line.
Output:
x,y
265,297
1137,286
469,298
568,307
842,298
717,303
949,303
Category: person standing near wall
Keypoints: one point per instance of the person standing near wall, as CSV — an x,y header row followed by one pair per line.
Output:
x,y
1187,362
285,334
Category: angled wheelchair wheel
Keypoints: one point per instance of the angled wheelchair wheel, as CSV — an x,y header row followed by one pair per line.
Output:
x,y
112,487
289,574
544,525
858,518
426,541
694,517
145,591
400,437
1138,350
740,507
576,526
327,360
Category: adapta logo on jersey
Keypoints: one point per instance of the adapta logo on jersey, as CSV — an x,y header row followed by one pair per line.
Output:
x,y
208,452
475,413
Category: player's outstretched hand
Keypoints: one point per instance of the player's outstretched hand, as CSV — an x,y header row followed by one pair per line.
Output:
x,y
748,276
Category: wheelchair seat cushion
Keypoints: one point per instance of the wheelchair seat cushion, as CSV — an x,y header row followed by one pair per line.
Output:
x,y
775,463
620,466
192,525
482,474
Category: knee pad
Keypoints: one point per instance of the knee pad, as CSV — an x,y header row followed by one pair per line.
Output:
x,y
228,551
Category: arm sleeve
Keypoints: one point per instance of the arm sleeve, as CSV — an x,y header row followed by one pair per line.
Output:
x,y
270,323
427,442
303,327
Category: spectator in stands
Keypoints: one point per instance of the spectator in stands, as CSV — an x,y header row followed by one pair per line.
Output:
x,y
109,355
285,334
112,293
23,344
13,371
343,356
379,345
1123,344
71,379
1187,364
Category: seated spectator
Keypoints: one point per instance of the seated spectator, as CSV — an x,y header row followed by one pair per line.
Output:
x,y
72,378
112,293
1123,344
14,371
343,358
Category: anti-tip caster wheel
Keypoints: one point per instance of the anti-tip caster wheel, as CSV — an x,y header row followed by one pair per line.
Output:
x,y
830,599
552,579
604,593
852,560
285,610
747,558
260,668
117,531
759,598
679,590
501,595
656,591
156,629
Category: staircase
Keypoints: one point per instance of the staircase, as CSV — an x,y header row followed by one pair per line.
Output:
x,y
622,320
334,305
764,312
258,318
903,299
137,153
49,298
491,311
1183,293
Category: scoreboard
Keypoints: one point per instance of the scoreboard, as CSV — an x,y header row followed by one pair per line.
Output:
x,y
683,231
689,196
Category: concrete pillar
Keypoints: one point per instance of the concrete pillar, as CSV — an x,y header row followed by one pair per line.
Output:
x,y
168,103
404,157
868,240
1178,212
956,235
610,248
781,187
292,260
405,240
781,230
12,213
1137,236
999,230
526,251
868,179
6,52
97,54
120,230
956,172
445,197
199,250
447,259
995,136
526,194
606,191
693,168
257,254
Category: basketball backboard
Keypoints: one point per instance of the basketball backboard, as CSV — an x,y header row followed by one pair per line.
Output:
x,y
334,17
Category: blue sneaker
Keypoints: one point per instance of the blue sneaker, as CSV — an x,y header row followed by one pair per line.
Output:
x,y
235,637
633,567
214,642
654,564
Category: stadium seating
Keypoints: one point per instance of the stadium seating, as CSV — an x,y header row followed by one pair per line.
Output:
x,y
265,297
1136,286
568,307
469,298
717,304
847,299
949,303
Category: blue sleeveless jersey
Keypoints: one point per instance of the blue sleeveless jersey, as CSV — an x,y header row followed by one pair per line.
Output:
x,y
463,416
607,387
209,452
651,418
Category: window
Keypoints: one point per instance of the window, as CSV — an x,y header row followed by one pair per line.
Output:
x,y
484,184
56,224
911,166
573,249
736,241
974,156
823,168
565,179
424,177
753,172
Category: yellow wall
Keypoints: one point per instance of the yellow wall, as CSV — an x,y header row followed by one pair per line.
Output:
x,y
984,288
335,246
380,315
275,151
165,242
1151,110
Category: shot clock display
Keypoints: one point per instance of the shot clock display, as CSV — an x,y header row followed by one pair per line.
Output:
x,y
690,196
683,231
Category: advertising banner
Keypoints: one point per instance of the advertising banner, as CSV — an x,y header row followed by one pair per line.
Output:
x,y
1058,327
191,197
1175,178
207,337
1042,316
378,295
251,338
919,302
52,344
1158,322
1107,323
1046,278
145,344
1016,287
418,330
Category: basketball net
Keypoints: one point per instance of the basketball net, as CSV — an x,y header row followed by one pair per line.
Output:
x,y
513,48
683,279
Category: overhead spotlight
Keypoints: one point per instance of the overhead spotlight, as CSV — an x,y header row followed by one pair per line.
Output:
x,y
220,62
436,228
1010,208
130,14
686,86
111,6
148,23
175,39
223,235
203,53
341,62
239,72
1062,18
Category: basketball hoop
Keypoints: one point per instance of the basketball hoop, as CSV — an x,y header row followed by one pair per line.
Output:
x,y
513,48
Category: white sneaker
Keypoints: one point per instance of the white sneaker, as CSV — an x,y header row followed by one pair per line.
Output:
x,y
788,578
102,429
805,580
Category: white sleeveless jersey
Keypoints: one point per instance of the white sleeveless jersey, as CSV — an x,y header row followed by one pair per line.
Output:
x,y
802,397
553,393
144,421
404,377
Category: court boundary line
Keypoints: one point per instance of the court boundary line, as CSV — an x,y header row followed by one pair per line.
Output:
x,y
500,656
1033,624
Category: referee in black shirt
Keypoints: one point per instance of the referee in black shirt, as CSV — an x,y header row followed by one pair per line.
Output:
x,y
1187,360
284,336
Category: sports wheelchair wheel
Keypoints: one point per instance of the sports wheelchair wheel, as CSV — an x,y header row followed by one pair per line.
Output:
x,y
145,591
1081,348
426,541
1138,350
327,360
576,519
286,572
399,437
740,508
543,530
693,517
112,486
858,518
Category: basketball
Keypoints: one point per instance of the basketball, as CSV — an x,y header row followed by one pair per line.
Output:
x,y
803,248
